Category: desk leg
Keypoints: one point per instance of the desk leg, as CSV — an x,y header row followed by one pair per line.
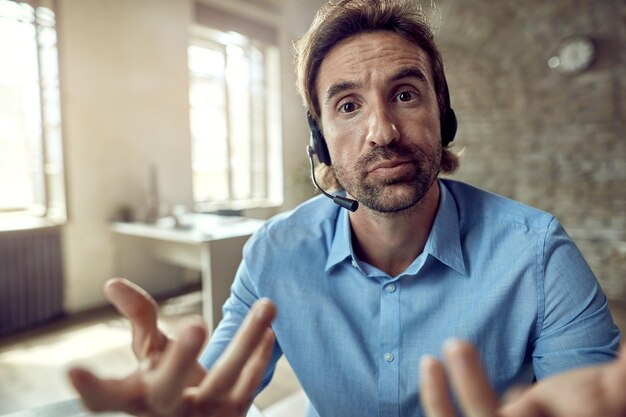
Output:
x,y
220,260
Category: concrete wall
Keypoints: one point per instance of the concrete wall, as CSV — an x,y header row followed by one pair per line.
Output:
x,y
553,141
125,109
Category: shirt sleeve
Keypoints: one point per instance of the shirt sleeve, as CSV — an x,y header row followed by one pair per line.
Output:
x,y
574,327
243,295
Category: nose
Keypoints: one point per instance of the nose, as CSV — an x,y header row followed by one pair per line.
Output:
x,y
382,129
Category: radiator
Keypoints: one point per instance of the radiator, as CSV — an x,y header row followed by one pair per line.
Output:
x,y
31,278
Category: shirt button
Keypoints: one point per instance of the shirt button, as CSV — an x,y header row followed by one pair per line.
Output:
x,y
389,357
390,288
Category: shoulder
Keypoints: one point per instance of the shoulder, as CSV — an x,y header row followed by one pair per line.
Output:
x,y
312,221
479,207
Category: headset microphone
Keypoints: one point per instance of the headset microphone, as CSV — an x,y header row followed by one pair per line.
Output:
x,y
344,202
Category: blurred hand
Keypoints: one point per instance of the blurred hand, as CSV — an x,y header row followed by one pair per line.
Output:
x,y
169,381
598,391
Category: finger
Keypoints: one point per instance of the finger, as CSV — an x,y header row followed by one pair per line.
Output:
x,y
523,407
176,369
226,370
108,395
513,394
134,303
253,371
434,388
469,380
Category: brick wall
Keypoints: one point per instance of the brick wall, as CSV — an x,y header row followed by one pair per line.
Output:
x,y
553,141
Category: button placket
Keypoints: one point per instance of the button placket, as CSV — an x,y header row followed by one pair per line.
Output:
x,y
390,328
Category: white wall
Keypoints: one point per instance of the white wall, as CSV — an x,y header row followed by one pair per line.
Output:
x,y
125,108
296,19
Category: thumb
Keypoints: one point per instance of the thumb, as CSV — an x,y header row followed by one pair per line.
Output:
x,y
134,303
523,407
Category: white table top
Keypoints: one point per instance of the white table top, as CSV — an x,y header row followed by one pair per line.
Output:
x,y
195,228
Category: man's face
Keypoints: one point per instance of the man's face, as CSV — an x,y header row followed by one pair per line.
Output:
x,y
380,118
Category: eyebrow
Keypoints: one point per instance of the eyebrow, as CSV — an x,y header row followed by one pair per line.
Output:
x,y
408,72
339,87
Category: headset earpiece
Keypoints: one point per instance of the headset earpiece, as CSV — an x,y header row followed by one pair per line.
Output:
x,y
448,119
448,127
318,142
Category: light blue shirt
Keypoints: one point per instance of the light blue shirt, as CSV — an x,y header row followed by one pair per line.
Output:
x,y
494,272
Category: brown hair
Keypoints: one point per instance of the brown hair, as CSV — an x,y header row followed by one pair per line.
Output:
x,y
340,19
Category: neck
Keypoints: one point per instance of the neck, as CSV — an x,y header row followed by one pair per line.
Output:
x,y
391,242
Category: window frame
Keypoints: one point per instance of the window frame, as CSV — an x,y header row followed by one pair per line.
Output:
x,y
270,136
49,202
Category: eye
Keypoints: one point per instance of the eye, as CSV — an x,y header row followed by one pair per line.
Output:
x,y
405,96
347,107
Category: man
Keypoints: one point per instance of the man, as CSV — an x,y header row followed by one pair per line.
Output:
x,y
363,295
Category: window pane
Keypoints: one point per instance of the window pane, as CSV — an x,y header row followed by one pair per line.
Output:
x,y
20,117
31,162
229,99
238,81
208,126
258,150
204,62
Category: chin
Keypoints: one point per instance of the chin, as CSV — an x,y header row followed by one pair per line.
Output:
x,y
392,201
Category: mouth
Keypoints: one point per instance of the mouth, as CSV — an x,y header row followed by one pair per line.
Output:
x,y
389,167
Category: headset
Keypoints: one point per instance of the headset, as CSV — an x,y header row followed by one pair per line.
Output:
x,y
318,146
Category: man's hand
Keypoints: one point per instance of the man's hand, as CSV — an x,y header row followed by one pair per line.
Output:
x,y
469,382
169,381
589,392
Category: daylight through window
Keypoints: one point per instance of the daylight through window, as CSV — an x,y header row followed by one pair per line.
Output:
x,y
31,161
235,120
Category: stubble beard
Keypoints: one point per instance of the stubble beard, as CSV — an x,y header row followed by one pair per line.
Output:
x,y
397,194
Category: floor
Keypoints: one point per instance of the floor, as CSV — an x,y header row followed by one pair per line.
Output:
x,y
33,364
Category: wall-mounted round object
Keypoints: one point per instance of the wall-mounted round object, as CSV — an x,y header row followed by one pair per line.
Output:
x,y
575,54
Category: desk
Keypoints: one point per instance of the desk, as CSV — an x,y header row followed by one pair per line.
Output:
x,y
74,408
209,243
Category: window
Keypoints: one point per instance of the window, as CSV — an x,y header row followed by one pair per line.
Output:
x,y
31,159
235,119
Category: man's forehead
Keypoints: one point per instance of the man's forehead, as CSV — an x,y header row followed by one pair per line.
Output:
x,y
374,52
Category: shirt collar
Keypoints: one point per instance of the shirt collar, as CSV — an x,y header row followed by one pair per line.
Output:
x,y
443,243
341,246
